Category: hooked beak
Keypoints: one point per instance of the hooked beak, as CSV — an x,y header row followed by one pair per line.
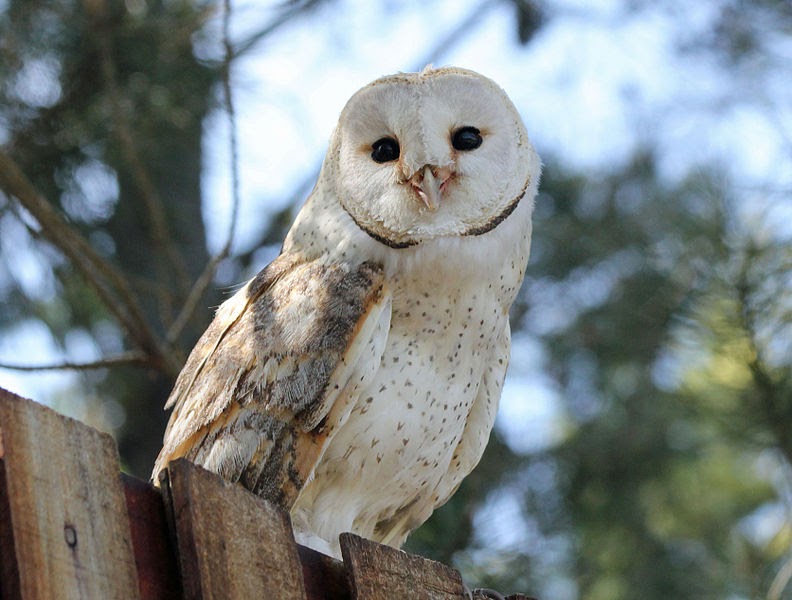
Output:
x,y
429,183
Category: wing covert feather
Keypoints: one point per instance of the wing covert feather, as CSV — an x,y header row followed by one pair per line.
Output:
x,y
273,375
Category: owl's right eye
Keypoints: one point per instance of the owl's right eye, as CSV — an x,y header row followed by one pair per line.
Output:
x,y
385,150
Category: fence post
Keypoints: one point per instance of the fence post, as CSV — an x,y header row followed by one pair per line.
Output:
x,y
325,577
378,572
155,558
72,528
231,543
64,530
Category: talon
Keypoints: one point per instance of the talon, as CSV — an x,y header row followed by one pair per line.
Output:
x,y
488,593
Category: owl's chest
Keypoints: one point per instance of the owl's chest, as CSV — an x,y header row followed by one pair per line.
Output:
x,y
414,411
436,344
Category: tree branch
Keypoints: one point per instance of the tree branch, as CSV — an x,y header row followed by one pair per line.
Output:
x,y
191,303
292,10
109,284
232,128
458,34
205,279
126,358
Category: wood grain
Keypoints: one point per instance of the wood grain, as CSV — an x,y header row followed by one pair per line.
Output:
x,y
325,577
378,572
65,530
232,544
155,558
72,528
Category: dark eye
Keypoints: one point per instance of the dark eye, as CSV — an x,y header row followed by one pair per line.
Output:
x,y
466,138
385,150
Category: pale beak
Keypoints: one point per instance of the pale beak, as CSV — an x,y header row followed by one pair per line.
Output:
x,y
430,185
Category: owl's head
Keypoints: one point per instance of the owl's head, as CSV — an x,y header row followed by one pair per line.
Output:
x,y
418,156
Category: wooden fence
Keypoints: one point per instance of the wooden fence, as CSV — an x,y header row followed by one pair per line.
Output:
x,y
73,527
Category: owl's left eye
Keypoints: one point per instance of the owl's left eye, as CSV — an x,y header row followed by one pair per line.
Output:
x,y
466,138
385,150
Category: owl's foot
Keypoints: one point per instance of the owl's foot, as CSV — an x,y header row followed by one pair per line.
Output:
x,y
482,593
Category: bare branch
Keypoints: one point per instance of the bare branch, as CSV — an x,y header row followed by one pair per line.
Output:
x,y
205,279
111,287
458,34
195,295
232,128
291,11
126,358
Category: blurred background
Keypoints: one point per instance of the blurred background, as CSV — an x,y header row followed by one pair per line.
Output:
x,y
644,442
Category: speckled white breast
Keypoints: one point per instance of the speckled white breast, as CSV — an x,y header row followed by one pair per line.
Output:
x,y
393,462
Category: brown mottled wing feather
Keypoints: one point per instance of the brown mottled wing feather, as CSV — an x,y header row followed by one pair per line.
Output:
x,y
275,373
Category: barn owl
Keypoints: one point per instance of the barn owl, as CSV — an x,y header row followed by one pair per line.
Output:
x,y
354,381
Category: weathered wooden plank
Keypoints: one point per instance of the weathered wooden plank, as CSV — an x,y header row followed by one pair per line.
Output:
x,y
231,543
9,573
378,572
64,514
325,577
155,559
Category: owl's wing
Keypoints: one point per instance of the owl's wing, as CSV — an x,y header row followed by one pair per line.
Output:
x,y
276,373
